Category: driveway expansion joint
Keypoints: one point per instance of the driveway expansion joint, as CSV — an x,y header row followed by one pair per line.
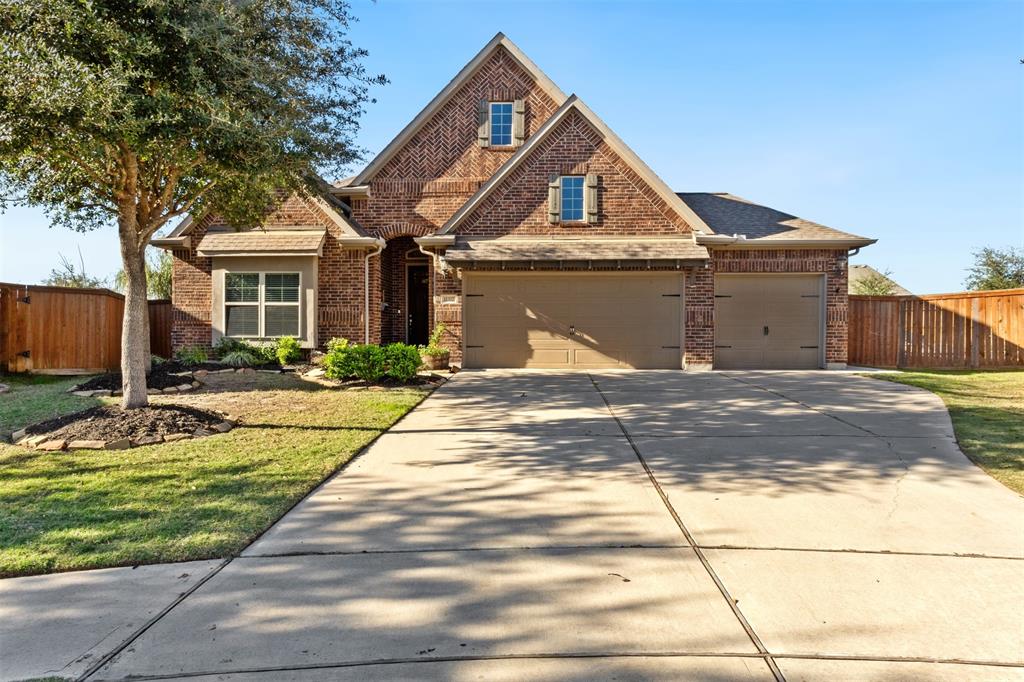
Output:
x,y
111,655
440,659
801,403
882,552
439,550
733,606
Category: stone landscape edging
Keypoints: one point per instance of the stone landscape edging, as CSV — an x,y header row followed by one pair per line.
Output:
x,y
195,375
44,442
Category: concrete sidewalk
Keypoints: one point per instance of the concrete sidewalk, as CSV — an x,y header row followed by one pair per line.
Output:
x,y
626,525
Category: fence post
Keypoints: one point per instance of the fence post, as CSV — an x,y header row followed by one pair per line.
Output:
x,y
901,333
975,332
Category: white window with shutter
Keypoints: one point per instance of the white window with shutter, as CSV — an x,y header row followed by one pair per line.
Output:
x,y
262,304
573,199
501,124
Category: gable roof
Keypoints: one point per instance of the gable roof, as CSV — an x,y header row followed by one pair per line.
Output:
x,y
499,40
334,210
728,215
574,103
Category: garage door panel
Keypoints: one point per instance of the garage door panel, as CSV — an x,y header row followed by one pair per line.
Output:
x,y
619,320
787,306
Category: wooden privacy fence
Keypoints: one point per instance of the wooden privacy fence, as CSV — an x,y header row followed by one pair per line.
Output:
x,y
973,329
63,330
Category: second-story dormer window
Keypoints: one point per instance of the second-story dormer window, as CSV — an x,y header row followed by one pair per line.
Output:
x,y
501,124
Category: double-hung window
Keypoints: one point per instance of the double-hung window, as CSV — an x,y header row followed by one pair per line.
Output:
x,y
501,124
571,199
261,304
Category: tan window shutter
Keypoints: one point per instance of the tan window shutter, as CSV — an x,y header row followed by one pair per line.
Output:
x,y
591,198
554,199
518,122
483,123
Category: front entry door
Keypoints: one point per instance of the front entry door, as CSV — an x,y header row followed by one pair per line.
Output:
x,y
417,293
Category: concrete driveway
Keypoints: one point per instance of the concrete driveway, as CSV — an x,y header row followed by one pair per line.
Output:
x,y
619,525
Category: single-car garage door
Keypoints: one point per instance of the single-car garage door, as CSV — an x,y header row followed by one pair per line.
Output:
x,y
572,320
768,321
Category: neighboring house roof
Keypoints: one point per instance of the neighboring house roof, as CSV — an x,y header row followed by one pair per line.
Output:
x,y
727,215
275,242
861,272
466,250
499,40
574,103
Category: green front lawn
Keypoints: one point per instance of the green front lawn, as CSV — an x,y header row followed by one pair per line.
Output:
x,y
987,409
34,398
197,499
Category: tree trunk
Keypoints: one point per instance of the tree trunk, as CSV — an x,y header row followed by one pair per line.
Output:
x,y
135,357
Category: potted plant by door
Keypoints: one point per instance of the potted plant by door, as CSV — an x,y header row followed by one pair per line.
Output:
x,y
434,355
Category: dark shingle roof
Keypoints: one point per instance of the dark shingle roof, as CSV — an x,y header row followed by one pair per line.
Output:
x,y
513,249
728,214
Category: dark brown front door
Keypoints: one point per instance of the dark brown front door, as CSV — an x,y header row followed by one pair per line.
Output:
x,y
418,305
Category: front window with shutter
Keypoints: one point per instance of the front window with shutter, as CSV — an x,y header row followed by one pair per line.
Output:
x,y
501,124
571,198
261,304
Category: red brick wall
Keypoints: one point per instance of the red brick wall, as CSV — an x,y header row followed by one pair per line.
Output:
x,y
191,297
340,275
442,165
626,204
700,295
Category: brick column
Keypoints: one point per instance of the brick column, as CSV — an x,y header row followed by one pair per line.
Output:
x,y
699,306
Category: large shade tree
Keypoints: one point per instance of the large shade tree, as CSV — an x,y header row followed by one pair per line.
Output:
x,y
135,112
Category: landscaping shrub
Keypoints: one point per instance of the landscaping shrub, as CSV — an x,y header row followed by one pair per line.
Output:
x,y
334,361
265,354
402,360
241,357
366,362
191,355
433,348
436,334
288,350
226,345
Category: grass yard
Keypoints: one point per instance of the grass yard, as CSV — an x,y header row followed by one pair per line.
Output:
x,y
34,398
196,499
987,409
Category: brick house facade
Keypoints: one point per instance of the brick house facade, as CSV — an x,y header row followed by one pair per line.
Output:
x,y
453,200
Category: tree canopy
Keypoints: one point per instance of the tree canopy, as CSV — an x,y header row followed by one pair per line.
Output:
x,y
173,105
875,284
139,111
996,269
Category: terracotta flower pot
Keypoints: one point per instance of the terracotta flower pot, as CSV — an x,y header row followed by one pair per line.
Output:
x,y
435,362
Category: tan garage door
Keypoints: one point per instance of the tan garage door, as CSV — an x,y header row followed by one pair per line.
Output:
x,y
768,321
572,320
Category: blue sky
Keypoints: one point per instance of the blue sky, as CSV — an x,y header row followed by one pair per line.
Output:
x,y
902,121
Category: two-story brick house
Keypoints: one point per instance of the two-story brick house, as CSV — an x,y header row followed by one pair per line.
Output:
x,y
511,213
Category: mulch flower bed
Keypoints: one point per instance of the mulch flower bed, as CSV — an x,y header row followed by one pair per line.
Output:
x,y
111,427
165,375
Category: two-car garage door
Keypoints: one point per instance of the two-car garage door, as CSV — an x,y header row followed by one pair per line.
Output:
x,y
573,320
